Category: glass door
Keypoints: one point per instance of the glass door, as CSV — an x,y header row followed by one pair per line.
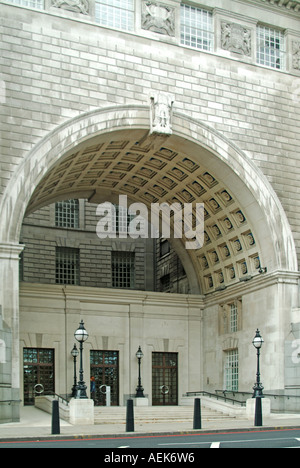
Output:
x,y
105,370
164,379
38,371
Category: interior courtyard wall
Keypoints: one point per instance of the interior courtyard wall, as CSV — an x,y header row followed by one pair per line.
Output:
x,y
49,315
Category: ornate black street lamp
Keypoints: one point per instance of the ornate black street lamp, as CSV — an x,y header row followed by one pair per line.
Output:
x,y
81,335
258,388
74,354
139,389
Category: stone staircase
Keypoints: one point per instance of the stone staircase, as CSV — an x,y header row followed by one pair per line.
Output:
x,y
155,414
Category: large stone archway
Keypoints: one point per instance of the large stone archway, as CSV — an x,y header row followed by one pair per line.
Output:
x,y
111,151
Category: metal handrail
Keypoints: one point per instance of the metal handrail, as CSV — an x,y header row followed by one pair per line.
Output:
x,y
217,397
63,399
10,401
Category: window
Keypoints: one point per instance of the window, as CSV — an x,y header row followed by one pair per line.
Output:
x,y
232,370
233,317
270,47
196,28
165,283
164,248
67,214
115,13
123,270
29,3
67,266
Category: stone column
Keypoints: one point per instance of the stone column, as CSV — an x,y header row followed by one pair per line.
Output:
x,y
9,302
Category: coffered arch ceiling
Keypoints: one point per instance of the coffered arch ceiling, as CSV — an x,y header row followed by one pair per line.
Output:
x,y
156,169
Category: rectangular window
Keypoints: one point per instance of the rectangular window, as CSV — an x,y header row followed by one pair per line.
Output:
x,y
117,14
196,28
233,317
67,266
270,47
232,371
39,4
123,270
67,214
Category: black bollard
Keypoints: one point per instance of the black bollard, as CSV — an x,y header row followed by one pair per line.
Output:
x,y
55,418
130,417
197,414
258,420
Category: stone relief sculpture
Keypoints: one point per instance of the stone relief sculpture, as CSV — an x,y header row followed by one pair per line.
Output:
x,y
296,55
79,6
236,38
161,112
2,352
158,18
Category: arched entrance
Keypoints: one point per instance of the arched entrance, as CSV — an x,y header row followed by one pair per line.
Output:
x,y
108,152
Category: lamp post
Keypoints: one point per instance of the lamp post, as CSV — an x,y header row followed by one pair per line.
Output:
x,y
74,354
258,388
139,389
81,335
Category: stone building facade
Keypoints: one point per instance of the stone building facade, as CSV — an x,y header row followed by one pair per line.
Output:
x,y
163,102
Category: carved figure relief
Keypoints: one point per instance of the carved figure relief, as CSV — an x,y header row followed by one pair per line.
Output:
x,y
158,18
161,112
2,352
296,55
236,38
79,6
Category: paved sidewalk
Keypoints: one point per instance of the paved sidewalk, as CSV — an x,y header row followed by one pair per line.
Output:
x,y
36,424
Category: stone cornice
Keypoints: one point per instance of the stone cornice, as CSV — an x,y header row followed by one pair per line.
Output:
x,y
292,6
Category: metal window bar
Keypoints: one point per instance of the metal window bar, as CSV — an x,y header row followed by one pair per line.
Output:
x,y
232,370
39,4
117,14
270,47
233,318
67,214
123,270
197,28
67,266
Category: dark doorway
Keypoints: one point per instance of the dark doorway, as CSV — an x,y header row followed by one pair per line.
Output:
x,y
164,379
105,370
38,369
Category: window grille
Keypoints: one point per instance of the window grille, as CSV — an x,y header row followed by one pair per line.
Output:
x,y
67,214
232,370
67,266
117,14
233,317
123,270
39,4
270,47
196,28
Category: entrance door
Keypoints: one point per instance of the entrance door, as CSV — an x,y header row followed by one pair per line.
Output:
x,y
105,370
38,373
164,379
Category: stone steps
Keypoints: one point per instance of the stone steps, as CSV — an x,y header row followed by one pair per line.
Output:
x,y
117,415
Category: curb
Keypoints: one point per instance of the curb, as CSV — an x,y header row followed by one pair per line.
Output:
x,y
142,435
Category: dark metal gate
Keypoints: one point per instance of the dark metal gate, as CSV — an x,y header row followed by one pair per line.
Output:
x,y
164,379
38,370
105,370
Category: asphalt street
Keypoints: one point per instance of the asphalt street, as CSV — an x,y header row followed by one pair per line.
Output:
x,y
168,447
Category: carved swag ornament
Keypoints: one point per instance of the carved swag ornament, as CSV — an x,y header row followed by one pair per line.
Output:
x,y
158,18
78,6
